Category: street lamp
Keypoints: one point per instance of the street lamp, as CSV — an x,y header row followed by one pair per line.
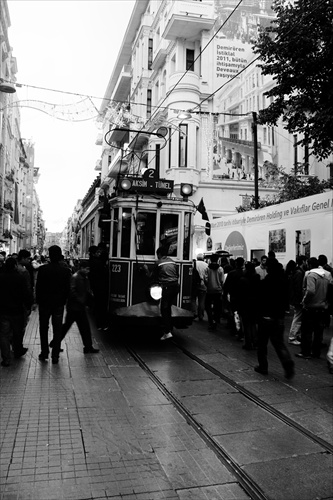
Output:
x,y
7,87
255,159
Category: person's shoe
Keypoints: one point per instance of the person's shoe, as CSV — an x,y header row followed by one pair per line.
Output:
x,y
51,344
316,356
90,350
21,352
247,347
43,357
294,342
260,370
289,372
5,362
166,336
301,355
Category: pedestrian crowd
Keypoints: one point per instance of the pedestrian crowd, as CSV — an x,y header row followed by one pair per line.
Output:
x,y
253,298
51,284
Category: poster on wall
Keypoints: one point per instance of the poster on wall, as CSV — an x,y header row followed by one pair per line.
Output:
x,y
277,240
303,242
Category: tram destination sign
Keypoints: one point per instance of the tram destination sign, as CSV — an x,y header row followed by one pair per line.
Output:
x,y
146,184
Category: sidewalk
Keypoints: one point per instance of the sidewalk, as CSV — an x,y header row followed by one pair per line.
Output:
x,y
95,427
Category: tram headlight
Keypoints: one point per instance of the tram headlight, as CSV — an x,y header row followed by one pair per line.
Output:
x,y
125,184
155,292
186,190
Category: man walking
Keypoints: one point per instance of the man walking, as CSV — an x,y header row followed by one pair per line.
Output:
x,y
52,290
76,312
315,305
296,297
15,298
199,292
272,306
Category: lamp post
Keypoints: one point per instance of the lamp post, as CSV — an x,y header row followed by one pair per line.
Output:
x,y
255,159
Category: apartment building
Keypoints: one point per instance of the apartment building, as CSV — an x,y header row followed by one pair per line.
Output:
x,y
182,99
21,218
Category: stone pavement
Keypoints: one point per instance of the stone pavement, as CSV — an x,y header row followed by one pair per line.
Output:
x,y
96,427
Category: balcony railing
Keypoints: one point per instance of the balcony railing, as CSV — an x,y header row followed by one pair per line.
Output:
x,y
250,144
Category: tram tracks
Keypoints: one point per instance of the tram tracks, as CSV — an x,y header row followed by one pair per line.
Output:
x,y
245,480
262,404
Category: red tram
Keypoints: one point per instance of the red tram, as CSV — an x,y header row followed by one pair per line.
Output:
x,y
145,215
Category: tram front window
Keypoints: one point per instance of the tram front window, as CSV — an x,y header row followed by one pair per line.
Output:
x,y
169,233
126,232
145,233
186,242
115,232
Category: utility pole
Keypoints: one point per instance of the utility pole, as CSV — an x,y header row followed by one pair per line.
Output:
x,y
255,159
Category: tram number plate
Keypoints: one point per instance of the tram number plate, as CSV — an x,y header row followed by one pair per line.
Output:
x,y
116,268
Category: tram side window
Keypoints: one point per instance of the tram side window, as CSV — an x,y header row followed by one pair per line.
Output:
x,y
145,233
115,232
169,233
126,232
187,236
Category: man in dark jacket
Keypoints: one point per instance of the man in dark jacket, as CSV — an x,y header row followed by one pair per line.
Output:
x,y
15,298
76,312
273,300
52,290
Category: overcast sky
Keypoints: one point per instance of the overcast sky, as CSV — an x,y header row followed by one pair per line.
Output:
x,y
69,46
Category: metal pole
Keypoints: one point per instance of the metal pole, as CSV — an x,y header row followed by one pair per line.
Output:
x,y
255,159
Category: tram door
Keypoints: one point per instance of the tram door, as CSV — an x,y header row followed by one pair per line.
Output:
x,y
135,236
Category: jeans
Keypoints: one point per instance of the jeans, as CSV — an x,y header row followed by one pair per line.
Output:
x,y
10,330
213,308
169,293
56,313
198,303
313,324
78,316
272,329
295,328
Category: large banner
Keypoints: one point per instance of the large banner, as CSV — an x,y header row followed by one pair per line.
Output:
x,y
239,28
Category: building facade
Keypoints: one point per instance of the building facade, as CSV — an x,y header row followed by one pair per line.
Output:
x,y
21,217
182,99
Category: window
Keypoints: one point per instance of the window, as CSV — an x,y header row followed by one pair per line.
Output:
x,y
145,233
126,224
189,60
182,146
115,232
187,236
149,96
157,159
150,52
169,233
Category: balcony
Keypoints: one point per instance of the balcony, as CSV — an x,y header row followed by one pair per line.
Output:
x,y
99,140
123,85
159,59
98,165
249,144
188,19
